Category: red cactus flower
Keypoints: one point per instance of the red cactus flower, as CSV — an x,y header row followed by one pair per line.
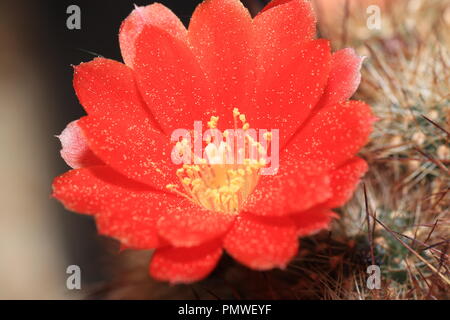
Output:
x,y
267,72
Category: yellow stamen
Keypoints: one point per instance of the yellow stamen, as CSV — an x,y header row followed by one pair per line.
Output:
x,y
215,184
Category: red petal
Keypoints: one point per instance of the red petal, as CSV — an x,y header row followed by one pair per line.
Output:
x,y
156,15
107,88
274,3
262,243
285,24
334,135
185,265
120,129
134,149
344,181
124,209
345,77
291,85
171,80
187,224
294,188
313,220
75,150
220,32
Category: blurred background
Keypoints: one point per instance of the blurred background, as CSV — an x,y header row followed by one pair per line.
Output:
x,y
38,237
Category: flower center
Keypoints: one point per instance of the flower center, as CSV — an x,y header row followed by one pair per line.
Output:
x,y
227,174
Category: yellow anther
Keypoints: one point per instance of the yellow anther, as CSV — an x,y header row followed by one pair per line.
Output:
x,y
267,136
212,123
220,186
